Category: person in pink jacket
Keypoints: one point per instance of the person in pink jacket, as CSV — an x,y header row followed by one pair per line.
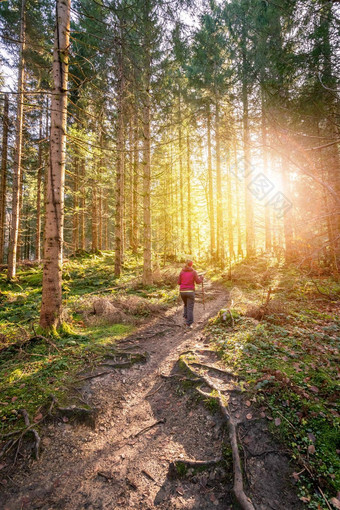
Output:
x,y
186,281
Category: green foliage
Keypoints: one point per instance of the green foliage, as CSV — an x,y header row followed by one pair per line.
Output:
x,y
31,370
291,366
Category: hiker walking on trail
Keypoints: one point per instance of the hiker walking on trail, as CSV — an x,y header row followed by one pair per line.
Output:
x,y
187,279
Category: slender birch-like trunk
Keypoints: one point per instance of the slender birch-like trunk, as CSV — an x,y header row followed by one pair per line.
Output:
x,y
39,183
94,228
13,241
135,180
75,226
219,208
119,227
82,205
249,207
238,219
147,254
3,177
211,189
267,226
181,184
51,307
189,194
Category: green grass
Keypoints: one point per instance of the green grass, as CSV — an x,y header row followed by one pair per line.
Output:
x,y
29,375
290,362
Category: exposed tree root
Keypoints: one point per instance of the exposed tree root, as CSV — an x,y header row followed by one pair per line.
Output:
x,y
22,432
156,333
17,346
180,377
120,444
94,375
178,468
119,364
238,489
216,369
131,357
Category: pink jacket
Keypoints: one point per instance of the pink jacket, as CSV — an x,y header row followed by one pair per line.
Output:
x,y
187,279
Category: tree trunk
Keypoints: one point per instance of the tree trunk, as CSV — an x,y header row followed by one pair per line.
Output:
x,y
3,186
135,179
94,212
83,206
250,234
288,216
238,219
211,189
46,170
106,222
147,254
267,226
17,170
189,195
75,226
219,209
39,183
181,184
119,227
230,216
51,308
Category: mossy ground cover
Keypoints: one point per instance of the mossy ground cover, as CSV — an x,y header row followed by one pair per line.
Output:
x,y
290,362
30,373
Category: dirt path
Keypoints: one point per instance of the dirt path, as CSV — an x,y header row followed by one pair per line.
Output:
x,y
127,465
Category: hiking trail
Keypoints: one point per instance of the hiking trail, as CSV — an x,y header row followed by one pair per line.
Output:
x,y
159,440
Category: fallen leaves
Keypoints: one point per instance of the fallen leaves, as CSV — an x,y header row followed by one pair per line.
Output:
x,y
277,422
335,502
311,449
38,417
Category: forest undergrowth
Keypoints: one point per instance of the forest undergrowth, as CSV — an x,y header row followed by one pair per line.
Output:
x,y
280,332
100,310
281,335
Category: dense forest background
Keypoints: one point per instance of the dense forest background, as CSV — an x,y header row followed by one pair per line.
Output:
x,y
208,129
136,134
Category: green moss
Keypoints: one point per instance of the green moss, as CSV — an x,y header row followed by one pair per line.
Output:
x,y
290,364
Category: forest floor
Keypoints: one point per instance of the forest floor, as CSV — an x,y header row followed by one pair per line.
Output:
x,y
150,439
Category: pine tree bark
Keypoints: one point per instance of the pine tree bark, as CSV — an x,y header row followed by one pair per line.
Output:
x,y
267,226
181,184
238,219
83,206
51,308
75,226
39,185
106,222
189,212
3,177
211,189
119,226
147,253
135,180
46,169
230,217
288,216
250,234
17,171
94,225
219,208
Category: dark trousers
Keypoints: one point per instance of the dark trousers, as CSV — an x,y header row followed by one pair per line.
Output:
x,y
188,299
